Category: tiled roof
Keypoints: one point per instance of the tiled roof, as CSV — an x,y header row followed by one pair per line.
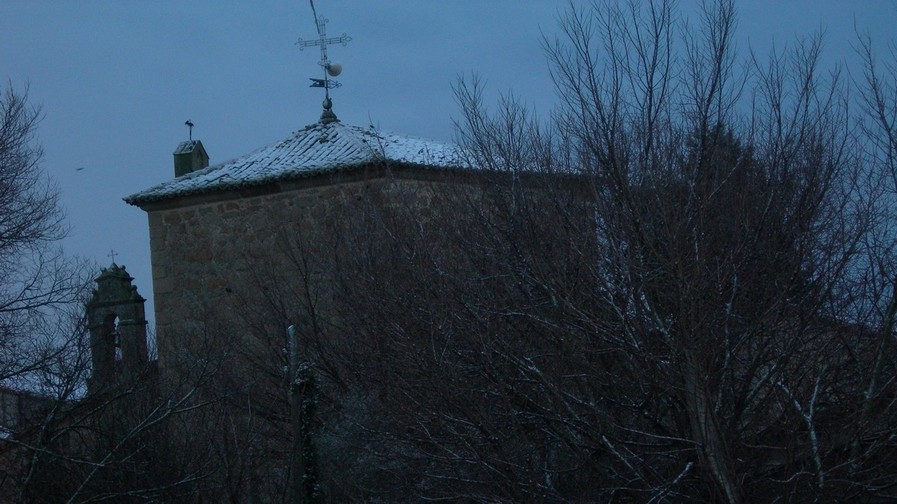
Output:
x,y
318,148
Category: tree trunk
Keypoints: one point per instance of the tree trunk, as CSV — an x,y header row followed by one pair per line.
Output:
x,y
705,431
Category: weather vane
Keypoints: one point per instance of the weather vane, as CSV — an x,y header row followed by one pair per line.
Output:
x,y
330,69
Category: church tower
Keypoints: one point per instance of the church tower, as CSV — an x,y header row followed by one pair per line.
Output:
x,y
117,324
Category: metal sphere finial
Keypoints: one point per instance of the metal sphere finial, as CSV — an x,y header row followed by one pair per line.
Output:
x,y
328,116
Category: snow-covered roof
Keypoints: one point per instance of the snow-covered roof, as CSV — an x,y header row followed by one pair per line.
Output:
x,y
316,149
186,147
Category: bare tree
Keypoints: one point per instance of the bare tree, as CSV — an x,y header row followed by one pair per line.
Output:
x,y
876,289
124,443
652,296
721,241
136,439
679,287
38,279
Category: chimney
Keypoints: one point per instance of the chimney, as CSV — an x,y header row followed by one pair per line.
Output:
x,y
189,157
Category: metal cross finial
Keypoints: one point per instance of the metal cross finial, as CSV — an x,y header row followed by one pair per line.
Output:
x,y
112,254
323,41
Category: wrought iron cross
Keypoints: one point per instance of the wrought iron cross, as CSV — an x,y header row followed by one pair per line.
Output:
x,y
323,41
112,254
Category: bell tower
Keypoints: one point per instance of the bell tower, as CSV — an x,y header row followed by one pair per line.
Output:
x,y
117,324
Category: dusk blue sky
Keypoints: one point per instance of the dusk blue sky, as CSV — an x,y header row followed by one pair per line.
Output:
x,y
117,79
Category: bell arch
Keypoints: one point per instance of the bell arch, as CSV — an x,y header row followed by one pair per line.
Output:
x,y
116,320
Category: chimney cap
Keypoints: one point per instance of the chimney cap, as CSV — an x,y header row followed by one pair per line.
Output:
x,y
187,147
189,156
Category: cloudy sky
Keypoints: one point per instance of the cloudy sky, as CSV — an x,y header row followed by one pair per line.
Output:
x,y
117,79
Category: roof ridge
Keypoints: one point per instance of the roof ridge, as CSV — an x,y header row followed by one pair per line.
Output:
x,y
358,136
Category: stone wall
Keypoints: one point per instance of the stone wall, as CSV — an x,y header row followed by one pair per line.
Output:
x,y
220,263
231,270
